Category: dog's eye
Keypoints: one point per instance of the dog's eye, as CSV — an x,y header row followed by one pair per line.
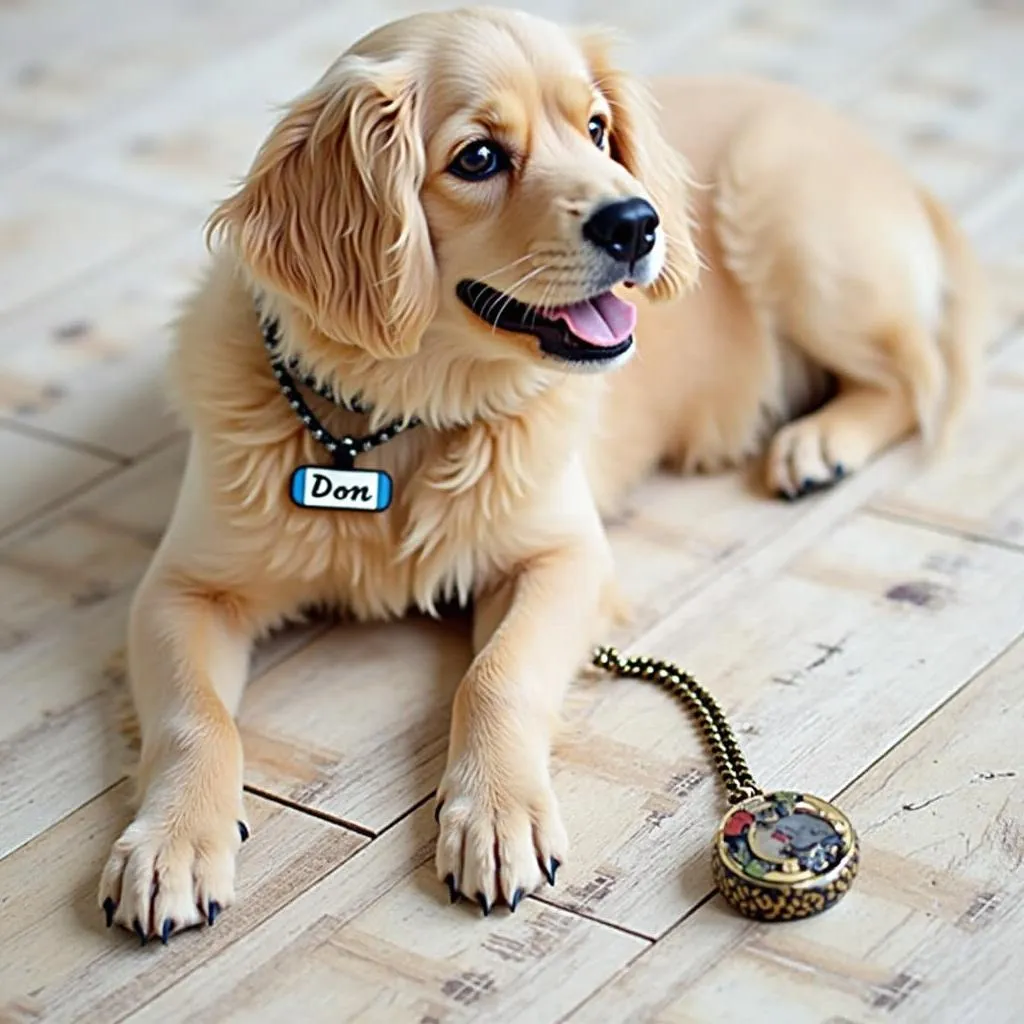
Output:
x,y
598,128
480,159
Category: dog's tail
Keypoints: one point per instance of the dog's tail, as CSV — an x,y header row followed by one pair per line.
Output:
x,y
963,330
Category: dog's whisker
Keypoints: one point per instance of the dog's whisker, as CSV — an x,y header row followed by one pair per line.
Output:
x,y
510,295
508,266
541,308
510,292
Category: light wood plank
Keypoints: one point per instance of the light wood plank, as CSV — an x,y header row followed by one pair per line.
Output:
x,y
850,642
822,45
60,73
65,587
317,730
59,961
950,101
39,473
632,777
355,724
978,488
89,361
51,231
188,146
377,941
932,929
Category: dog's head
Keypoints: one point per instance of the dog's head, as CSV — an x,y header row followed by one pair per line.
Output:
x,y
481,172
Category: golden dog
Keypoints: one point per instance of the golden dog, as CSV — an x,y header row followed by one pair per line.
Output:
x,y
442,227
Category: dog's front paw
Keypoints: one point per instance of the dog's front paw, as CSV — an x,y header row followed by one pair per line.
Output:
x,y
501,835
171,871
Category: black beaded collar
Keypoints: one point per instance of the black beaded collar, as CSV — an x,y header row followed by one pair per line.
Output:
x,y
343,450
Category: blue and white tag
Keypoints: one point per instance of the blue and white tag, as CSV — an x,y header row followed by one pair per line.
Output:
x,y
347,490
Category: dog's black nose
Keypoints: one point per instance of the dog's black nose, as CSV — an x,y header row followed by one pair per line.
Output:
x,y
625,229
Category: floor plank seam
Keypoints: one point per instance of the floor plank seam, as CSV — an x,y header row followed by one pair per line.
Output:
x,y
942,529
551,901
948,699
33,519
639,955
64,817
28,429
312,812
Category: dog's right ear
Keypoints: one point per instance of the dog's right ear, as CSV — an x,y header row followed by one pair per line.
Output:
x,y
330,213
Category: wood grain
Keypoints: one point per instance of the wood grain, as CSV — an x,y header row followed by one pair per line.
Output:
x,y
46,473
377,940
925,933
65,586
88,363
978,489
821,667
52,230
843,634
61,964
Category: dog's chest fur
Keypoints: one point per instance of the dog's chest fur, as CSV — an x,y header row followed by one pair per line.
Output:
x,y
462,497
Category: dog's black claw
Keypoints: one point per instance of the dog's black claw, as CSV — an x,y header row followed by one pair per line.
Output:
x,y
484,905
437,811
514,902
165,932
551,869
839,471
109,907
137,925
212,911
453,889
243,830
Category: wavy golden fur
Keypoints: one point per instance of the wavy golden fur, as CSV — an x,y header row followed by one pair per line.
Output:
x,y
828,278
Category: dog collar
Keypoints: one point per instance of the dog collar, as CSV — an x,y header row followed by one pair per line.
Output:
x,y
343,450
342,487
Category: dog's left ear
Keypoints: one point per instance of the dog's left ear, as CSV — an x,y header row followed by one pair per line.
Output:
x,y
330,213
638,144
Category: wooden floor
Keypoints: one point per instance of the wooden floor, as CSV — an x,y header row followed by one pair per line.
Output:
x,y
868,644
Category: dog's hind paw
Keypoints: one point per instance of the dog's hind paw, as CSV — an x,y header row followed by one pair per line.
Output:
x,y
811,454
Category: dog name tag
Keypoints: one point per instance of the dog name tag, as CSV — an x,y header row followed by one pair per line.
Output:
x,y
348,490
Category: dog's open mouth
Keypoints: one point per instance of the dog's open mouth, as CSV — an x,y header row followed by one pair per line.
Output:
x,y
596,330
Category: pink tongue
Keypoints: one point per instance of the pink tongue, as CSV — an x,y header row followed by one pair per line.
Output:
x,y
605,320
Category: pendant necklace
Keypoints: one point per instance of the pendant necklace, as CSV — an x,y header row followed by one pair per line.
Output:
x,y
341,486
778,856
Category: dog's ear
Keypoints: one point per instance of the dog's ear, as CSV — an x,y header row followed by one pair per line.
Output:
x,y
330,213
637,143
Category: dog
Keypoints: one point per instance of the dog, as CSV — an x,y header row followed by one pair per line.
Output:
x,y
439,256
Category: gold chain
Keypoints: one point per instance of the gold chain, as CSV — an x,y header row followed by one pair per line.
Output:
x,y
721,740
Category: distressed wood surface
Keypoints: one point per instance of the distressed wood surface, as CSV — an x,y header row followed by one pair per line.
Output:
x,y
60,963
377,940
65,587
979,488
88,362
927,933
40,473
843,634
